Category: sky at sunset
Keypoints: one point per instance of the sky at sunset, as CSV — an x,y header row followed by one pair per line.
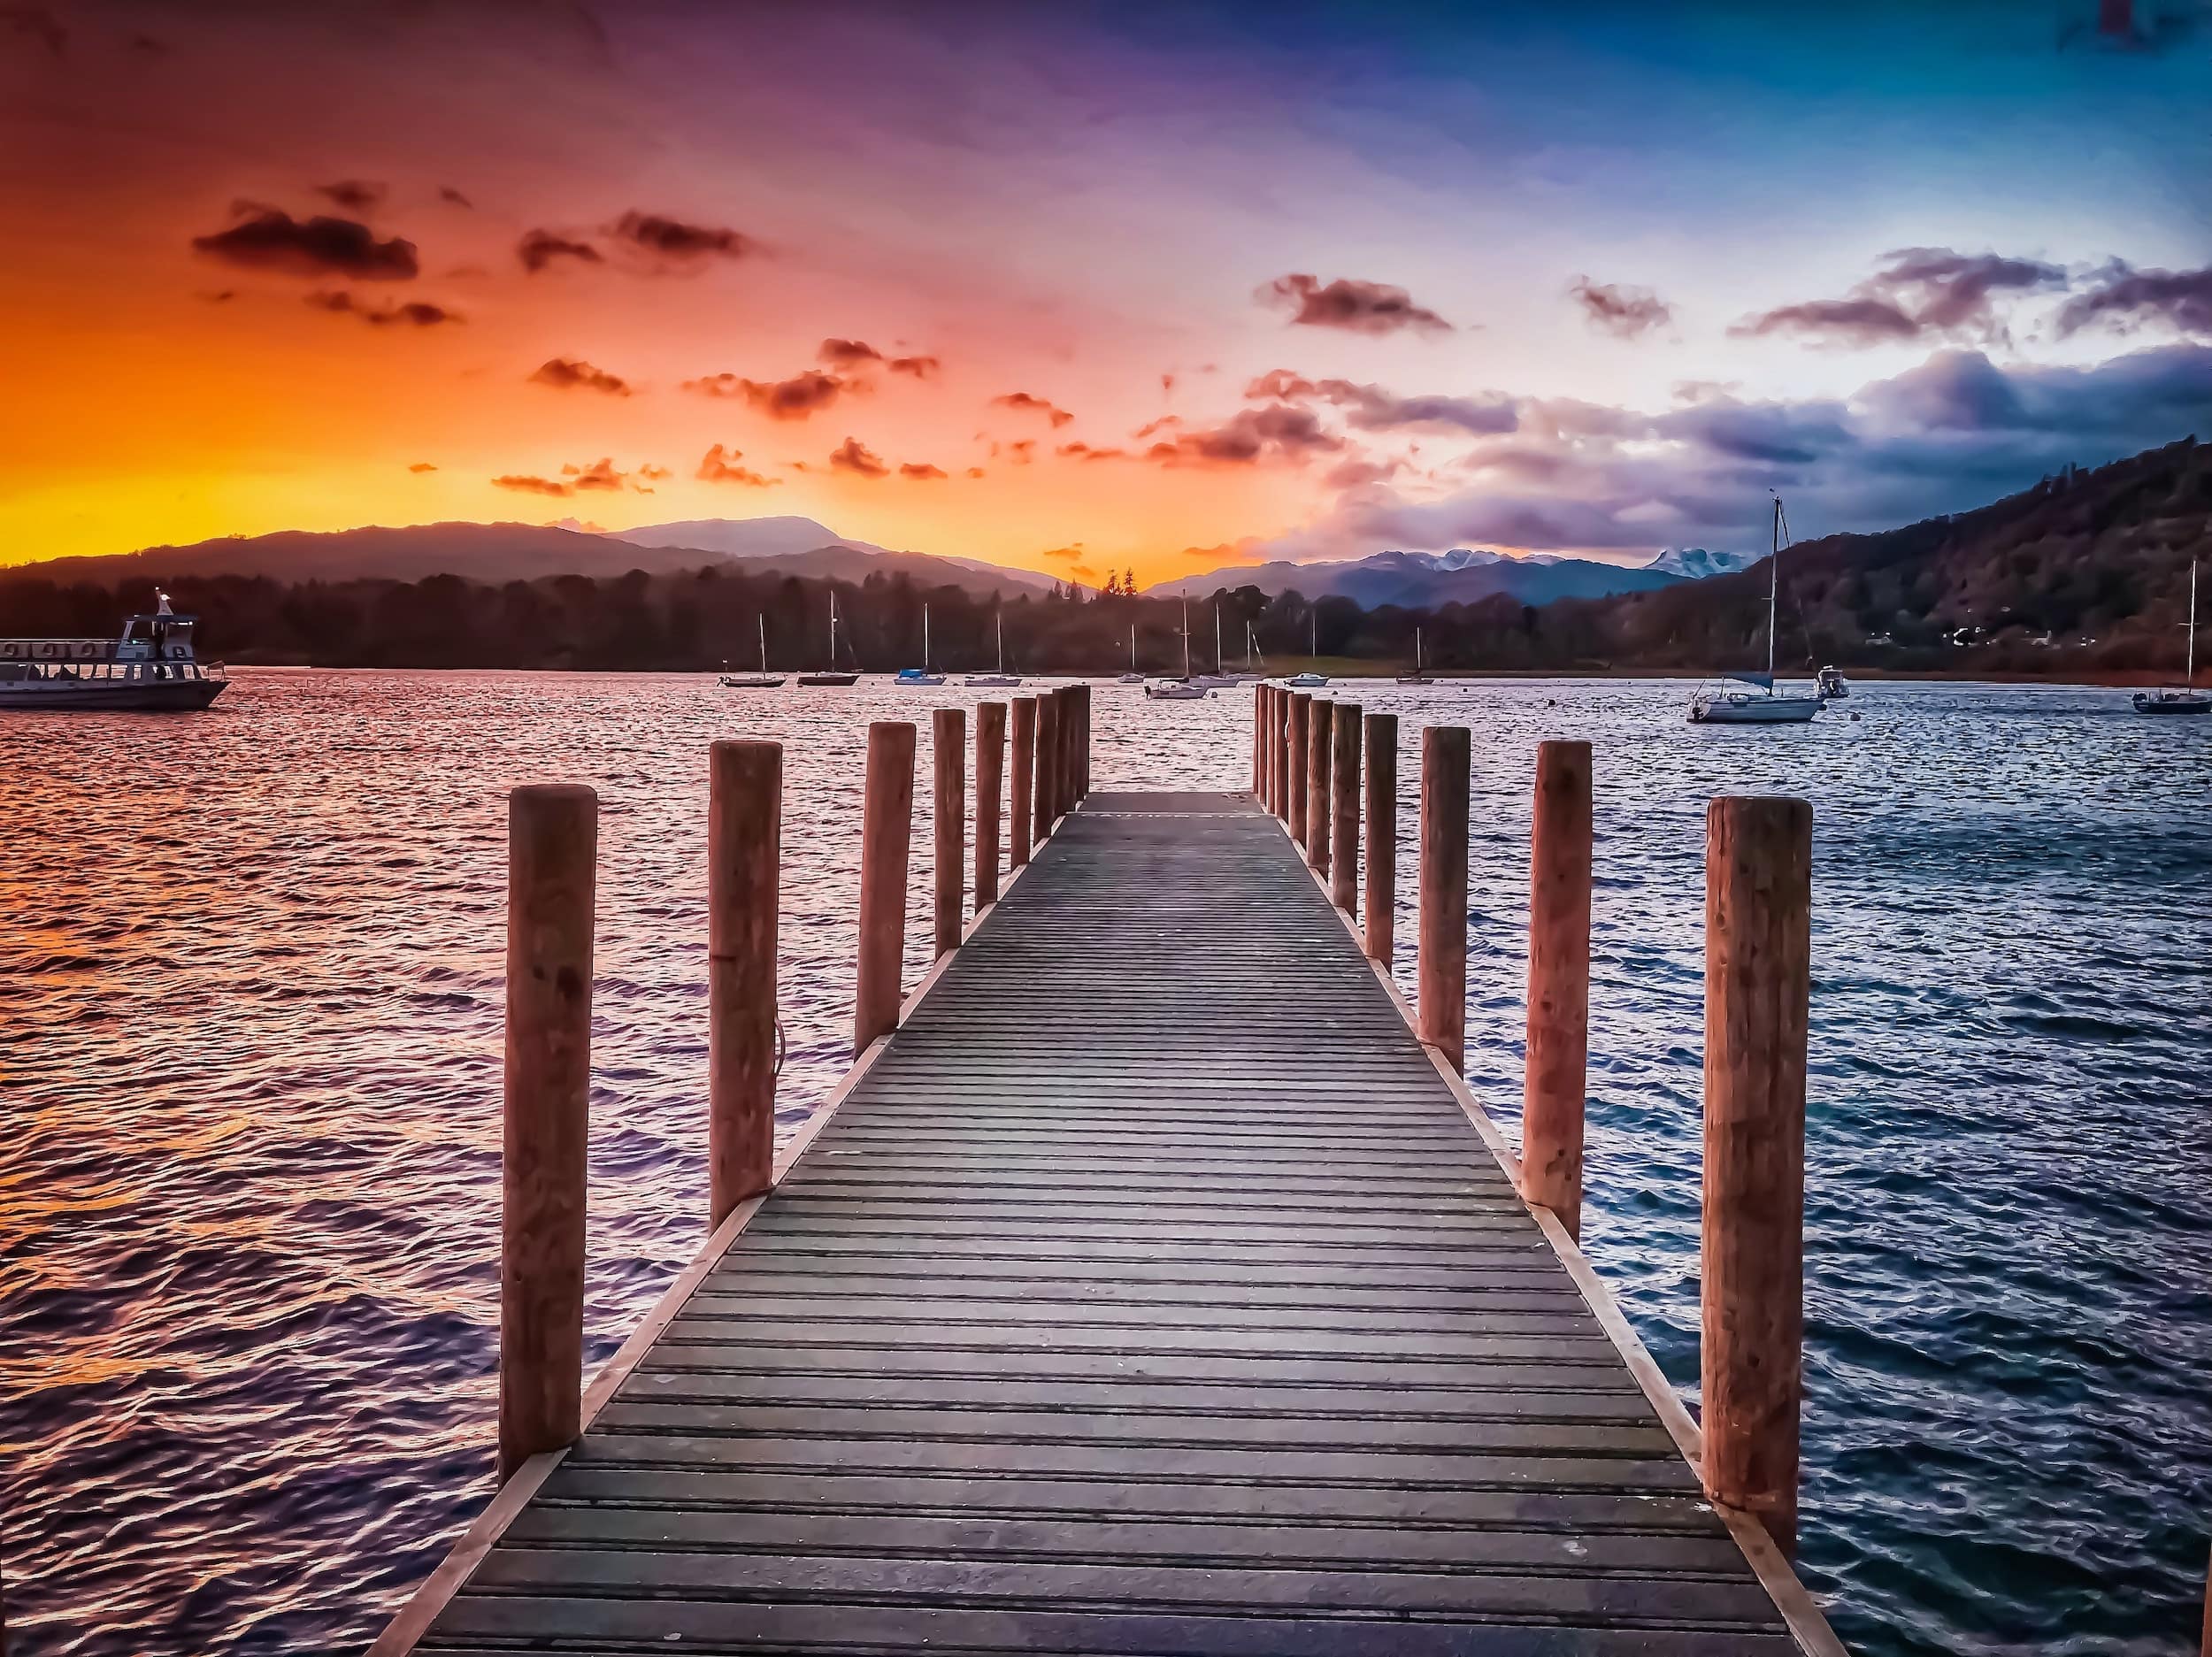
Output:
x,y
1081,289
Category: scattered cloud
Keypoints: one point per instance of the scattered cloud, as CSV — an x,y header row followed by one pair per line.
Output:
x,y
920,469
268,239
719,466
1280,430
1063,554
422,465
673,244
858,354
855,456
919,367
600,474
1919,293
1085,451
977,472
416,312
1627,313
1346,303
1357,471
356,195
652,473
565,373
1025,401
2124,298
448,194
1371,408
539,249
525,484
797,398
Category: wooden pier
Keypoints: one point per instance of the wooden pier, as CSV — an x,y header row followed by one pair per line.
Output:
x,y
1150,1290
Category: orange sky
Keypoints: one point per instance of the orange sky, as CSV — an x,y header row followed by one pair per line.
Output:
x,y
1101,218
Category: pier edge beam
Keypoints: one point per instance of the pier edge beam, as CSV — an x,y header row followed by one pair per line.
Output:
x,y
1441,963
1319,719
886,834
552,857
1021,773
1557,1075
1758,904
1382,837
990,776
949,821
1344,781
744,852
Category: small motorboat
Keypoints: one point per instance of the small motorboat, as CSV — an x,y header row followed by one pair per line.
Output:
x,y
1829,684
1178,689
1307,681
150,669
2188,699
761,681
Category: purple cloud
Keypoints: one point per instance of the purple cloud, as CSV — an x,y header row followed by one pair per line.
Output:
x,y
1627,313
2125,297
1346,303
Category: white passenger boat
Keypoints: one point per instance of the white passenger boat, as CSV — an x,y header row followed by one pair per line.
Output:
x,y
1762,704
150,669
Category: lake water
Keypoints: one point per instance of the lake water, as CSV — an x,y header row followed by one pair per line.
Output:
x,y
250,1019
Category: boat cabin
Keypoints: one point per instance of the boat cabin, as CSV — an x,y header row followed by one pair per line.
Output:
x,y
153,647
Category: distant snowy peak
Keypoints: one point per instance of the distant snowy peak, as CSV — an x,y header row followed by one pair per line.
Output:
x,y
1694,564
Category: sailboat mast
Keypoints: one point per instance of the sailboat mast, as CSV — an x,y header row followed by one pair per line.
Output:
x,y
762,620
1132,647
832,654
925,638
1216,640
1187,638
1774,590
2189,674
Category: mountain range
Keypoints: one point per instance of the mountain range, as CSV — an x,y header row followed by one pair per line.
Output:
x,y
1418,580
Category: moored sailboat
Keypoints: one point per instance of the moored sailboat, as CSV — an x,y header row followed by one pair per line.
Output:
x,y
761,681
1416,676
1132,677
831,673
1000,679
1308,679
1763,704
1187,688
921,675
2188,699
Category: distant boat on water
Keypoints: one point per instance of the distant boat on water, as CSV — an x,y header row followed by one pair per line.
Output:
x,y
1310,680
2188,699
1132,677
831,674
921,675
1188,687
1761,705
761,681
1416,676
150,669
1000,679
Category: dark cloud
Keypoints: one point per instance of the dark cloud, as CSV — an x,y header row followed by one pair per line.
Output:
x,y
673,242
1361,307
600,474
416,313
1357,471
1371,408
422,465
1931,293
36,23
854,456
524,483
2125,297
269,240
719,466
1627,313
565,373
1084,451
356,195
539,249
919,367
797,398
1278,430
1024,401
447,193
854,354
920,469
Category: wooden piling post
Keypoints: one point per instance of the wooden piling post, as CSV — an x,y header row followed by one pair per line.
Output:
x,y
744,835
886,834
1284,701
1382,836
948,823
552,854
990,775
1271,744
1018,781
1047,812
1295,747
1555,1080
1344,780
1442,966
1758,922
1070,792
1083,745
1319,726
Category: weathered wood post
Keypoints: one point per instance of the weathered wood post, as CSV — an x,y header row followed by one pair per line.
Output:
x,y
886,834
1270,745
949,822
744,836
990,775
1758,947
1319,726
1047,812
1382,836
1018,780
1070,792
1558,984
1294,744
552,855
1344,780
1442,967
1083,748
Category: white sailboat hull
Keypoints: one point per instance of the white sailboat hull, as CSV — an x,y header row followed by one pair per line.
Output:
x,y
1736,707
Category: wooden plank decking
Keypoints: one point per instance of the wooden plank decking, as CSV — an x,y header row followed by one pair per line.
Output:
x,y
1150,1295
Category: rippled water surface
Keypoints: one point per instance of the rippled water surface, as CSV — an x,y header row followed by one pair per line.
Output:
x,y
249,1020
